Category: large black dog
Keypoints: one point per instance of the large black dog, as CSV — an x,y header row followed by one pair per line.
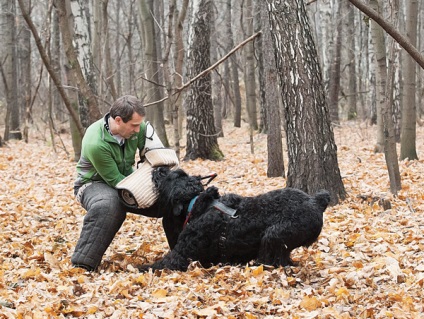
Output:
x,y
232,229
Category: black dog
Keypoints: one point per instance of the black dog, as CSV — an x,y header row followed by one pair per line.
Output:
x,y
233,229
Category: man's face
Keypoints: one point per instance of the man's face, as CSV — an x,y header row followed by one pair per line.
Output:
x,y
126,130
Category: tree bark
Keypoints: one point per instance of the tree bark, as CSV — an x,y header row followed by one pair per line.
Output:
x,y
233,68
312,151
86,96
49,68
202,141
249,69
408,126
352,88
8,64
151,66
334,79
381,75
271,99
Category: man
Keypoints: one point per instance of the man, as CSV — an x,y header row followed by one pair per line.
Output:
x,y
107,157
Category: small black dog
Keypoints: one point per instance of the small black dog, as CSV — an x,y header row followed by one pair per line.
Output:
x,y
232,229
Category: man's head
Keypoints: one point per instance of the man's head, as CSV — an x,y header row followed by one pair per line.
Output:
x,y
127,113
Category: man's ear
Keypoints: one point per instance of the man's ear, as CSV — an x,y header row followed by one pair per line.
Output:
x,y
118,120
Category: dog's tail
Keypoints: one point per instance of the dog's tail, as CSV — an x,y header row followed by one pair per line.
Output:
x,y
322,198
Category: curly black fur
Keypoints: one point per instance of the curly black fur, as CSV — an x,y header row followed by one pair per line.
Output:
x,y
176,189
266,229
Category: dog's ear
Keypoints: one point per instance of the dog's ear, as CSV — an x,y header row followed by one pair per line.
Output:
x,y
213,191
177,209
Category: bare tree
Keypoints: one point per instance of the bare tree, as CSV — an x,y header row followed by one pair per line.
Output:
x,y
8,68
202,141
312,151
334,79
233,67
151,66
408,126
270,99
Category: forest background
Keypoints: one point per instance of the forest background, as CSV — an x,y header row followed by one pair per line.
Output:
x,y
368,262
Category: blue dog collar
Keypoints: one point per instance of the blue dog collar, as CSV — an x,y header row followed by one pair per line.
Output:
x,y
190,206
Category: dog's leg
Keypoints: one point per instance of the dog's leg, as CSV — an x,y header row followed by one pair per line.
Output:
x,y
171,260
275,249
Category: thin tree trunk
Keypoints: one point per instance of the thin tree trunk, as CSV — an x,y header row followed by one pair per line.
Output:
x,y
334,80
352,91
408,127
381,75
9,69
151,64
233,68
250,78
271,100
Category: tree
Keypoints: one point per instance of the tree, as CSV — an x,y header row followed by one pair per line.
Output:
x,y
151,66
233,67
384,117
350,29
8,68
408,126
312,151
202,141
381,76
249,69
79,58
270,99
334,80
24,79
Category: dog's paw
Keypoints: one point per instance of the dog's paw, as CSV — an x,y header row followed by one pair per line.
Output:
x,y
143,268
213,191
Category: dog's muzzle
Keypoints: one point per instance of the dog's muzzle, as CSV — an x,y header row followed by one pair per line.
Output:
x,y
138,189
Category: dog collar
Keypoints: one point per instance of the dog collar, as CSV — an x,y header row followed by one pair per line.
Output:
x,y
190,207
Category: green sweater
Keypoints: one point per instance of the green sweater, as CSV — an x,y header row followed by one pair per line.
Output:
x,y
103,159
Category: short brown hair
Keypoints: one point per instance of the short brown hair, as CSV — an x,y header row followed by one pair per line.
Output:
x,y
125,107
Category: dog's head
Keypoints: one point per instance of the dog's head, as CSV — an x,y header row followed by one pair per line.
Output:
x,y
176,188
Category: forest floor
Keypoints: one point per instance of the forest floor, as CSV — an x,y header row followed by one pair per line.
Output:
x,y
367,263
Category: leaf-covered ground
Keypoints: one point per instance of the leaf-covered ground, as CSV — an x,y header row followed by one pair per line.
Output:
x,y
367,263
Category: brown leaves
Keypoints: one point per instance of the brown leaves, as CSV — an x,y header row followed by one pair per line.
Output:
x,y
367,263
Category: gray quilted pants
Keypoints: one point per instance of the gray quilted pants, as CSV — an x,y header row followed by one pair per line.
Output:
x,y
105,216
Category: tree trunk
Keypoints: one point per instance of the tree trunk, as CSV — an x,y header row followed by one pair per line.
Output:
x,y
177,112
381,75
312,151
408,126
271,100
89,110
151,66
87,79
202,141
216,79
249,69
334,80
233,68
8,64
109,72
352,88
25,81
55,51
390,151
